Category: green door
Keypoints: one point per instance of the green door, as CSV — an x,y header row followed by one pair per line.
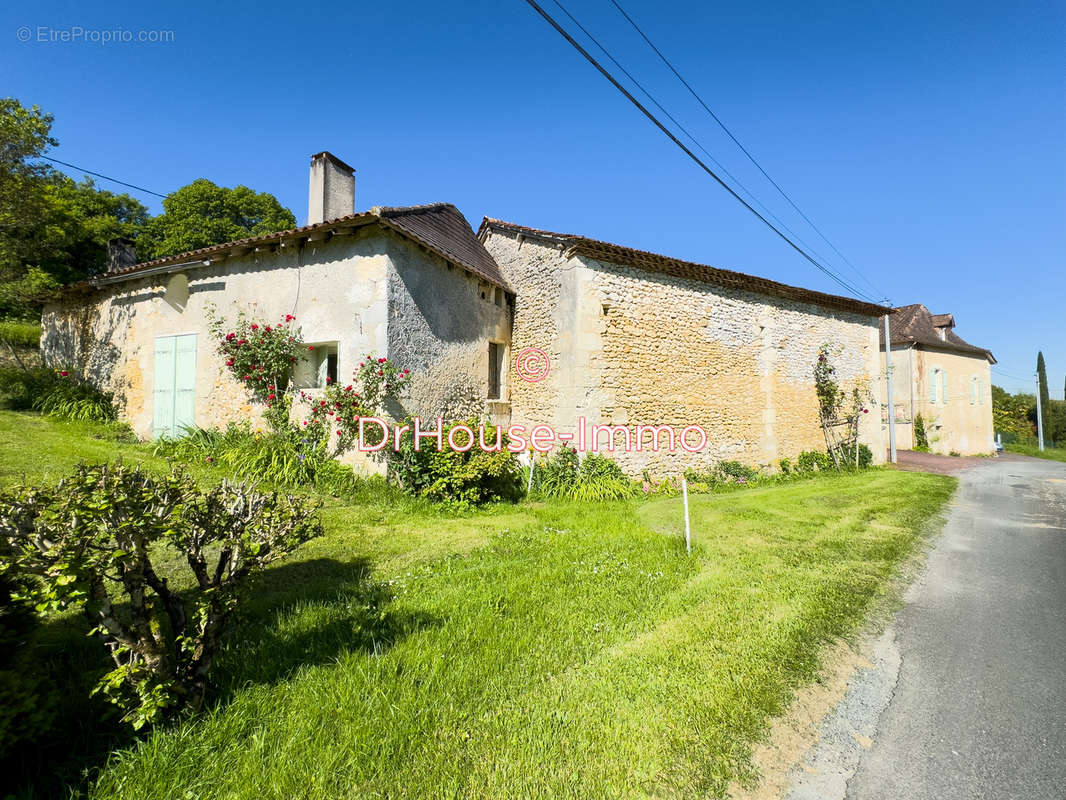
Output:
x,y
175,385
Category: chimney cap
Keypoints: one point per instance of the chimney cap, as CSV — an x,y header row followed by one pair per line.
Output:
x,y
336,161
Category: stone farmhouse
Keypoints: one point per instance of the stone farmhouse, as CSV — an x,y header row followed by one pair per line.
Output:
x,y
632,338
943,378
640,338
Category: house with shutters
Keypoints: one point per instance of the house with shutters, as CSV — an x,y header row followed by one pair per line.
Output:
x,y
412,283
942,378
630,338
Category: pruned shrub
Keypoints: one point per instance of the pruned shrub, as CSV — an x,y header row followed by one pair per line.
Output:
x,y
593,478
457,478
99,540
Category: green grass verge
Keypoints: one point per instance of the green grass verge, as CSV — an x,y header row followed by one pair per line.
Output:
x,y
1053,453
540,650
20,334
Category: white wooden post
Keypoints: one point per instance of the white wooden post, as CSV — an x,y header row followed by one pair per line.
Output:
x,y
684,500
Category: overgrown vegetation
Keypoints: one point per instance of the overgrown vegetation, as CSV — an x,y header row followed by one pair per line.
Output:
x,y
94,540
921,438
458,478
566,475
19,334
56,393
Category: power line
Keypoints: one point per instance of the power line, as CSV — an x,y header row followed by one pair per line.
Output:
x,y
105,177
1012,377
743,149
685,131
655,120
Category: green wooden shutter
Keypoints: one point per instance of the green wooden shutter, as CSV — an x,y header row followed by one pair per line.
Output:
x,y
934,376
175,385
163,396
944,387
184,383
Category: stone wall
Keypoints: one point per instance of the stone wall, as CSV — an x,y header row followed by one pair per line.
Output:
x,y
339,291
631,347
441,321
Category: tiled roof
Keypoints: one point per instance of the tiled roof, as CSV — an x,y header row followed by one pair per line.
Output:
x,y
914,324
439,227
653,262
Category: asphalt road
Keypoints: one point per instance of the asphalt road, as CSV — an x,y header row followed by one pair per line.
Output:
x,y
979,707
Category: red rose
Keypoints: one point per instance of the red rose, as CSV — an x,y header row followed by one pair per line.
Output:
x,y
270,397
229,362
230,337
310,347
64,373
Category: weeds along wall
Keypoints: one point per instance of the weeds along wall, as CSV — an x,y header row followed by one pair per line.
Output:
x,y
630,346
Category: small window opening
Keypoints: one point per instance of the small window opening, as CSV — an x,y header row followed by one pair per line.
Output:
x,y
319,366
496,364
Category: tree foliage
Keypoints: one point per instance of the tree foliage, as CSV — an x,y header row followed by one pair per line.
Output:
x,y
54,229
1011,412
98,540
1045,397
203,213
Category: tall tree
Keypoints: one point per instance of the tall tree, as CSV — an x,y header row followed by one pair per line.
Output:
x,y
1045,399
203,213
53,229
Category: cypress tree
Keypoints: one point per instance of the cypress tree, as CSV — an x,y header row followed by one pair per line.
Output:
x,y
1045,399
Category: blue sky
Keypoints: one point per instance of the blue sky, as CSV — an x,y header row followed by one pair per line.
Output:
x,y
926,139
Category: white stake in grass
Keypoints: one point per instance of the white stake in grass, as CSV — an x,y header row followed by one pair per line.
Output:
x,y
684,502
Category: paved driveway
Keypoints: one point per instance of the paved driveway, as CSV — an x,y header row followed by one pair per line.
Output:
x,y
979,709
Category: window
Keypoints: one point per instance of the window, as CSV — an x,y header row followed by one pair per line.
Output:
x,y
938,386
496,365
318,367
975,391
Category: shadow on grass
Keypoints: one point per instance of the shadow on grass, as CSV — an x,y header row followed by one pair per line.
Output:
x,y
308,613
293,615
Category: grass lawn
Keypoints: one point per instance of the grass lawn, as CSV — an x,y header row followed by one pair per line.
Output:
x,y
1054,453
539,650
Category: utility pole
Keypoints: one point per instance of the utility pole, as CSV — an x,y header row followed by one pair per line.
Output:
x,y
888,382
1039,416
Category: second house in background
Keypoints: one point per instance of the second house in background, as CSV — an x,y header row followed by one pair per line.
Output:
x,y
946,381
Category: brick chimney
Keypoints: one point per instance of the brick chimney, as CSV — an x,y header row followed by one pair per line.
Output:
x,y
121,253
332,188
